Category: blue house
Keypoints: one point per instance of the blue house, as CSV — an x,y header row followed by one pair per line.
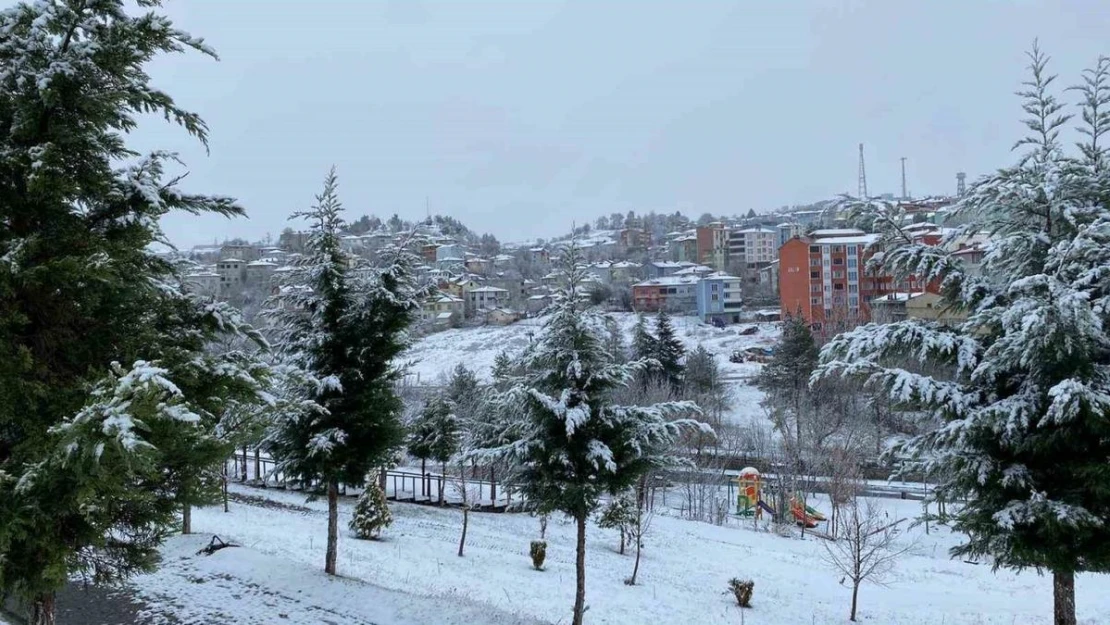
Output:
x,y
719,297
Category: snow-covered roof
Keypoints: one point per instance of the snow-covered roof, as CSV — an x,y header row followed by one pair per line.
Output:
x,y
756,230
670,281
861,239
231,259
891,298
261,263
488,289
444,315
626,264
720,275
836,232
203,274
694,270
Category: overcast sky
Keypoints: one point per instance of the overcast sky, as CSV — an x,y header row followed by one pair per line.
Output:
x,y
519,117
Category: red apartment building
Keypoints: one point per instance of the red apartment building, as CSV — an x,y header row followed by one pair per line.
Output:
x,y
825,279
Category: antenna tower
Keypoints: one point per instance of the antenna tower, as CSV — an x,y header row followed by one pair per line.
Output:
x,y
905,196
862,176
961,184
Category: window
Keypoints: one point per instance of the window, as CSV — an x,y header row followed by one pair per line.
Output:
x,y
828,276
852,250
838,287
816,301
853,301
838,275
815,249
671,291
714,298
853,275
852,262
838,261
837,248
815,288
815,262
814,275
853,288
825,262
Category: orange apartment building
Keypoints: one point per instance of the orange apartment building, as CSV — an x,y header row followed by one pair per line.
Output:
x,y
825,279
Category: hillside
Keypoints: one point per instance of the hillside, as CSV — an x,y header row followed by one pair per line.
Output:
x,y
433,357
413,576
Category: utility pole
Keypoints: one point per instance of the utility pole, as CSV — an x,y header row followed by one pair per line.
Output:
x,y
862,176
905,196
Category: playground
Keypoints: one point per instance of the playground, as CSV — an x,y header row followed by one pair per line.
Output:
x,y
750,502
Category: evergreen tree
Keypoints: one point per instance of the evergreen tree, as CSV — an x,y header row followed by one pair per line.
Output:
x,y
668,351
573,445
502,367
785,379
463,392
614,343
106,392
1022,385
643,343
704,384
434,434
344,322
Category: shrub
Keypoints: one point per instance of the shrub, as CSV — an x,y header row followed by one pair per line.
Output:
x,y
538,551
371,513
742,590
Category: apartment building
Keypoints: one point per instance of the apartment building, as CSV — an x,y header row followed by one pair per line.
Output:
x,y
824,278
670,293
719,297
752,248
712,245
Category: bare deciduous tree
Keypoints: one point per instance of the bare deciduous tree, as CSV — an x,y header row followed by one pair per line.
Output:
x,y
868,547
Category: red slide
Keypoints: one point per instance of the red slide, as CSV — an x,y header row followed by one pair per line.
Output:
x,y
802,517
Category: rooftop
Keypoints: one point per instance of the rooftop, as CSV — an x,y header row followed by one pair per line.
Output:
x,y
670,281
860,239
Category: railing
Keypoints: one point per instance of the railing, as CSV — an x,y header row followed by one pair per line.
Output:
x,y
429,488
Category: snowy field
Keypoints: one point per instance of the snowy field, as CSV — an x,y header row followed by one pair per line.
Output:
x,y
413,576
435,356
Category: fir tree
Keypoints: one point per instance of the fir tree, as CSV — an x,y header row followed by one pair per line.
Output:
x,y
434,434
344,323
502,367
107,395
704,384
614,343
785,379
573,445
1022,385
643,343
668,351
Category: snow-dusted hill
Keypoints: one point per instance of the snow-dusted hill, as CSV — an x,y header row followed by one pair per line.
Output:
x,y
434,357
414,577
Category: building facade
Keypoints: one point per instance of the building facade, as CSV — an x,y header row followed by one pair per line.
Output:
x,y
670,293
752,248
719,297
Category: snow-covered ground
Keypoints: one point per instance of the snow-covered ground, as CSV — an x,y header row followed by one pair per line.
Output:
x,y
435,356
414,577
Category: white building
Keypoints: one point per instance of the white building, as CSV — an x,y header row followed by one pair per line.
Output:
x,y
486,297
753,248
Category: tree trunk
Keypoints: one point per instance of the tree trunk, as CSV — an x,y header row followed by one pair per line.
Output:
x,y
636,567
423,477
244,474
466,519
42,610
855,595
580,573
622,540
442,481
333,527
258,466
224,476
1063,597
186,519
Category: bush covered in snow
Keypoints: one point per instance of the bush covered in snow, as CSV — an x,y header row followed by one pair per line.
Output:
x,y
538,552
742,590
371,513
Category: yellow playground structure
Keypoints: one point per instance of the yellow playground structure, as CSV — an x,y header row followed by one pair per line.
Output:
x,y
749,501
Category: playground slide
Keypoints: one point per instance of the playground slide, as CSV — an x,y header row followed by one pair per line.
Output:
x,y
768,509
815,514
802,517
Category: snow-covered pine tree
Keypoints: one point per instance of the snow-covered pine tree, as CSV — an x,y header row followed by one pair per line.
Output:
x,y
1023,388
434,434
87,481
643,343
572,445
668,351
344,322
704,384
785,380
